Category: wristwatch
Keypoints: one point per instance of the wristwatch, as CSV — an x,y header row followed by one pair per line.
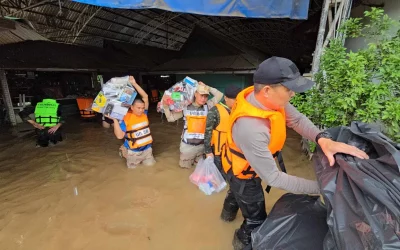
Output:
x,y
324,134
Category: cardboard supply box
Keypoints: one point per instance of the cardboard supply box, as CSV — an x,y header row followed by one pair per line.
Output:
x,y
115,98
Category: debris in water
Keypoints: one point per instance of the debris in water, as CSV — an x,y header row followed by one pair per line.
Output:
x,y
20,241
67,156
76,191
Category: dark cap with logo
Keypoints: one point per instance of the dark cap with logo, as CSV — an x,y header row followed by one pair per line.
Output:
x,y
276,70
232,91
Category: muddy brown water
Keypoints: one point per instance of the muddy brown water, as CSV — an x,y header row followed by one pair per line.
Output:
x,y
79,194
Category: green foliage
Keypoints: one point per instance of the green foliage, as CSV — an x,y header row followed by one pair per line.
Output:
x,y
312,146
358,86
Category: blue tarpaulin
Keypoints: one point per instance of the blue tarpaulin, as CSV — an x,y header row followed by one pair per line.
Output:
x,y
294,9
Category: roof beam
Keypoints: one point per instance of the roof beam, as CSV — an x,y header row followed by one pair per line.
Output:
x,y
88,34
222,23
181,25
165,19
89,25
27,7
84,18
108,20
141,22
64,30
179,38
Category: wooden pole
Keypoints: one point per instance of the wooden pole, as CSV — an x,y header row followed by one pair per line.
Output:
x,y
335,21
320,38
345,16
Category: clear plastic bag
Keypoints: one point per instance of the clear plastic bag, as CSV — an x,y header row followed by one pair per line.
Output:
x,y
207,177
160,107
180,95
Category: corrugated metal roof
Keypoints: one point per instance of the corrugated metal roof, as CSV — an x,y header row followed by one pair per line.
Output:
x,y
164,29
19,34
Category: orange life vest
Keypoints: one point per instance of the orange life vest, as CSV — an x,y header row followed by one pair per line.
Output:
x,y
137,130
232,156
195,123
219,134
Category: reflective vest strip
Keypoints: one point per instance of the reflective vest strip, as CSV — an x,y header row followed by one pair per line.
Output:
x,y
195,113
194,135
140,133
139,125
144,140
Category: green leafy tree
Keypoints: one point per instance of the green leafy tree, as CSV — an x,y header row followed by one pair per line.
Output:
x,y
359,86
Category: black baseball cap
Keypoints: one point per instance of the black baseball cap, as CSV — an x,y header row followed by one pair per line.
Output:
x,y
232,91
276,70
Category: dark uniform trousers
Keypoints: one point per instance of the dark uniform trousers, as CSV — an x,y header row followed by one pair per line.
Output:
x,y
248,195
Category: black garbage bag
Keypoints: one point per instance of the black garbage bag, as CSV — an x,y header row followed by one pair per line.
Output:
x,y
362,197
296,222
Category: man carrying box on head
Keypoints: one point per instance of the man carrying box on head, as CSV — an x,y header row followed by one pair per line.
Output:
x,y
194,116
134,128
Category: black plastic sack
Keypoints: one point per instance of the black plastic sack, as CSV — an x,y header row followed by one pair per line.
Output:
x,y
296,222
362,196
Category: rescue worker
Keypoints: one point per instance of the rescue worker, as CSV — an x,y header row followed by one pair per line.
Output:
x,y
215,138
134,128
257,131
195,116
217,125
47,120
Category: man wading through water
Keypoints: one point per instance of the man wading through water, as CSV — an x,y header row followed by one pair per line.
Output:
x,y
47,120
217,125
257,132
194,115
134,128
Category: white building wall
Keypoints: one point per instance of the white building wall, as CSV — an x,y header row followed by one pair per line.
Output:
x,y
391,8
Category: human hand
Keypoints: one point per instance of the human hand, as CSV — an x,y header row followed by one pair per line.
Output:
x,y
330,148
132,79
210,155
202,83
52,130
36,125
112,118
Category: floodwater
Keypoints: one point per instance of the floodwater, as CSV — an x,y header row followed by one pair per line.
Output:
x,y
79,194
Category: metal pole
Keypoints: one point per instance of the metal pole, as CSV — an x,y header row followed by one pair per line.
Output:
x,y
7,97
320,38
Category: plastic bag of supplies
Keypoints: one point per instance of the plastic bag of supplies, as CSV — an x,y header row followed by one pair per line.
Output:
x,y
207,177
179,96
